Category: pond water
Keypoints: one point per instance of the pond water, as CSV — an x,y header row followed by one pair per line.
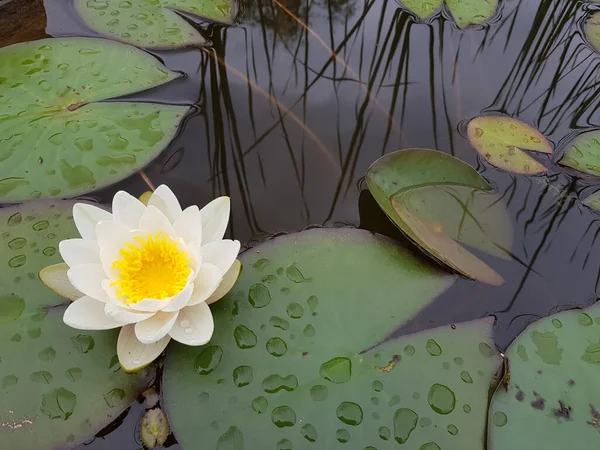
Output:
x,y
288,131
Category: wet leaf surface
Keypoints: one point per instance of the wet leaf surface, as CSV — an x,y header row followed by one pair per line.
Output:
x,y
592,30
58,386
593,201
441,217
423,9
551,401
471,12
287,372
501,141
583,154
152,23
55,140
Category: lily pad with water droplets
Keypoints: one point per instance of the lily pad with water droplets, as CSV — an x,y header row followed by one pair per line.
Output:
x,y
56,140
58,386
284,368
439,217
583,154
501,141
471,12
551,400
152,23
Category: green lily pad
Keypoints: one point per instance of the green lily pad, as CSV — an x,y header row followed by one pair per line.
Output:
x,y
55,140
592,30
551,400
58,386
464,12
583,154
152,23
423,9
412,168
501,141
285,367
441,216
471,12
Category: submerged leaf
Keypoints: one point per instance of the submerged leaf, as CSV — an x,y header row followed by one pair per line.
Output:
x,y
423,9
551,400
583,154
154,429
500,140
593,201
439,216
471,12
55,139
152,23
58,386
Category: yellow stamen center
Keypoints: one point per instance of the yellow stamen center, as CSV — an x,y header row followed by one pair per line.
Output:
x,y
151,268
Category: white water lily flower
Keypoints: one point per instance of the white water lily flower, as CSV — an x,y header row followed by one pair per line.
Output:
x,y
152,270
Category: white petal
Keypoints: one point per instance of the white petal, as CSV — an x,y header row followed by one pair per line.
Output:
x,y
123,315
206,283
189,225
87,278
153,221
108,255
111,292
215,216
221,254
150,304
88,314
79,251
133,355
127,209
194,326
229,280
112,233
156,327
86,217
55,277
164,199
180,300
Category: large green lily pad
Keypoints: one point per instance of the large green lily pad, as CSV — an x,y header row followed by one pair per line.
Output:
x,y
583,154
284,368
152,23
464,12
441,216
55,140
501,141
551,400
58,386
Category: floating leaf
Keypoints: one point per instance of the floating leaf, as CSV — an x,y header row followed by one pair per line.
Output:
x,y
408,169
152,23
304,382
471,12
550,400
317,389
500,140
57,385
592,30
154,428
54,139
433,197
583,154
423,9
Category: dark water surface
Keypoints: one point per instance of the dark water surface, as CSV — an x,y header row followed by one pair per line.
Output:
x,y
288,131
